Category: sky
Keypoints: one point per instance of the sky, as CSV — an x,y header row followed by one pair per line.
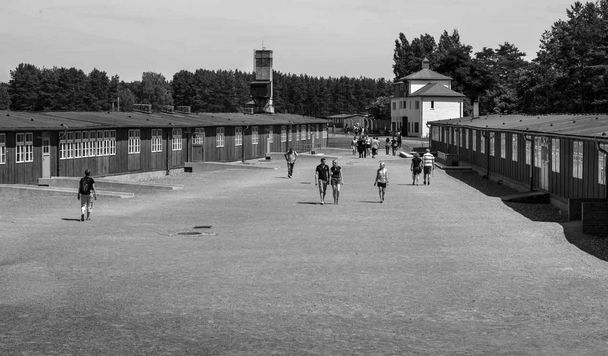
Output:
x,y
322,38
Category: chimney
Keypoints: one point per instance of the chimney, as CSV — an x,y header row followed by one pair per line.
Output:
x,y
425,63
475,109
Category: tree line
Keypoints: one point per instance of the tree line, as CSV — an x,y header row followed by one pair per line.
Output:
x,y
568,74
70,89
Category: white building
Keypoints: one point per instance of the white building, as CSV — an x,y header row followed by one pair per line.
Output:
x,y
422,97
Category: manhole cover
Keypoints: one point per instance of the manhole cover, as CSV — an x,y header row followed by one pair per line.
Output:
x,y
189,233
203,227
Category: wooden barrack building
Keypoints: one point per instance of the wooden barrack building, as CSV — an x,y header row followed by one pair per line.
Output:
x,y
47,144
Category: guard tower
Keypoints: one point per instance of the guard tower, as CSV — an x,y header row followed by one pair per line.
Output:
x,y
261,87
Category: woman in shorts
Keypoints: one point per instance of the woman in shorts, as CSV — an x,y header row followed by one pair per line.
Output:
x,y
381,181
336,180
416,168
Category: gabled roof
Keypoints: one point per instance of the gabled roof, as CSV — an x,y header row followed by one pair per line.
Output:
x,y
66,120
426,74
587,125
435,89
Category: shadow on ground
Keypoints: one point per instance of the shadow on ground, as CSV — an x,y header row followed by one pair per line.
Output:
x,y
573,230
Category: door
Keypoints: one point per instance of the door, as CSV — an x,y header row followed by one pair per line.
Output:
x,y
46,156
544,164
405,129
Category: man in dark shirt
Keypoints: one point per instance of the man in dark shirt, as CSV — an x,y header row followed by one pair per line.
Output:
x,y
322,179
85,187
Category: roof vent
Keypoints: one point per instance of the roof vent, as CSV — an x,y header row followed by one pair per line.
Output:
x,y
32,119
551,124
129,116
603,134
596,118
147,119
520,120
7,114
503,123
574,121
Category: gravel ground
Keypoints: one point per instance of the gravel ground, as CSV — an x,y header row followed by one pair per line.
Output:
x,y
434,270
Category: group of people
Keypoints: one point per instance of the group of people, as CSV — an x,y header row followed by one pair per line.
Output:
x,y
366,145
425,164
326,175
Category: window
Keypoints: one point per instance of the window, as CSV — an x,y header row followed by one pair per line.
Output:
x,y
176,140
157,140
283,133
219,137
503,145
317,132
528,152
79,152
303,132
435,133
482,142
416,127
2,148
461,134
432,104
269,135
86,143
106,140
538,151
492,144
112,142
555,164
474,140
514,142
70,145
466,139
324,132
134,142
417,105
601,164
577,159
238,136
394,105
254,135
199,136
24,147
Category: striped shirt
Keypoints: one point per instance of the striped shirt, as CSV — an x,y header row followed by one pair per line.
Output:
x,y
428,159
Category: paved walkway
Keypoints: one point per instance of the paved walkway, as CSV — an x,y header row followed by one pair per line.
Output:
x,y
439,269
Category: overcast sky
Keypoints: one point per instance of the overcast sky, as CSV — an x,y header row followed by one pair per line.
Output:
x,y
316,37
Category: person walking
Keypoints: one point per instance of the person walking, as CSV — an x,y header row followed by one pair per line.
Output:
x,y
336,180
85,187
361,147
291,156
368,145
322,179
428,163
387,146
353,144
375,146
381,181
416,168
394,146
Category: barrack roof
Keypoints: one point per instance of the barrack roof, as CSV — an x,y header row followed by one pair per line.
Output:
x,y
68,120
581,125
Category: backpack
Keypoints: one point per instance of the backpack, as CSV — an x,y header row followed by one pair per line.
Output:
x,y
85,187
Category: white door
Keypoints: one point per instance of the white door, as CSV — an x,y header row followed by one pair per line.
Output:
x,y
46,156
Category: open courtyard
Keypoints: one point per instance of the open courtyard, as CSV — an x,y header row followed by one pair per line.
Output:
x,y
244,261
